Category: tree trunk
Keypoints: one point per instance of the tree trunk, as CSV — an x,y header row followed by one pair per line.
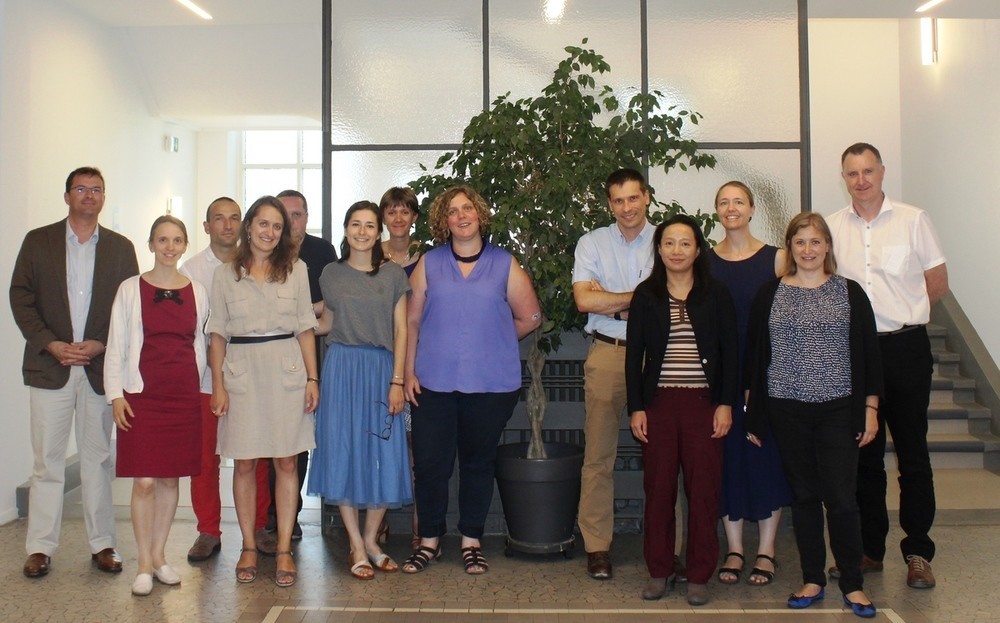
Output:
x,y
536,397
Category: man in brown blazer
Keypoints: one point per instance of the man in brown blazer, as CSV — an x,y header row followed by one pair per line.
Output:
x,y
65,279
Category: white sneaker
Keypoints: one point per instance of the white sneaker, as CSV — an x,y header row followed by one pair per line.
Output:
x,y
167,575
142,585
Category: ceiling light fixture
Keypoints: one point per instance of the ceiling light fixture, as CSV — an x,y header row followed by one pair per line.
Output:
x,y
928,5
197,10
928,40
554,10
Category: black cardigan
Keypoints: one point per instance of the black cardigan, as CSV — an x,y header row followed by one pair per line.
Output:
x,y
866,359
713,318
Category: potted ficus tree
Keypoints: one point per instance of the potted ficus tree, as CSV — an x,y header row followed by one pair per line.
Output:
x,y
541,162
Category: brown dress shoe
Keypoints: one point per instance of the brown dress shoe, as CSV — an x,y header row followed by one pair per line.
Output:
x,y
599,565
205,546
37,565
868,565
108,560
918,573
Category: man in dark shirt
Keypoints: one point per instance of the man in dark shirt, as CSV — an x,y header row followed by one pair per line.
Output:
x,y
316,253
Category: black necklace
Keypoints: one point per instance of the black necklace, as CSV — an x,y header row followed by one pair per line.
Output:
x,y
471,258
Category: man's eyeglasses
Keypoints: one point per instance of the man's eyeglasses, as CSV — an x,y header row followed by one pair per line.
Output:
x,y
83,190
389,418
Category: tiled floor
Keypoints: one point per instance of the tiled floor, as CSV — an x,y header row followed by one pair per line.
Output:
x,y
544,589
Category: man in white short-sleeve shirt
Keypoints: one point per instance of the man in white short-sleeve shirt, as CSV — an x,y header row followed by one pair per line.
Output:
x,y
892,250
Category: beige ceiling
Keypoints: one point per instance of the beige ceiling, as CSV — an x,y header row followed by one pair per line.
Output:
x,y
257,63
139,13
145,13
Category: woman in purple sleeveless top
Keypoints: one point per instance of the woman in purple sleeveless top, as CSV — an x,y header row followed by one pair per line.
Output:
x,y
471,303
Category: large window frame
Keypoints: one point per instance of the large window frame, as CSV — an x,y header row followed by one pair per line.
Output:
x,y
802,146
307,170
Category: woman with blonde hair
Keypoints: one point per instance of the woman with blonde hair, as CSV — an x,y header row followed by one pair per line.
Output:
x,y
814,376
152,369
753,482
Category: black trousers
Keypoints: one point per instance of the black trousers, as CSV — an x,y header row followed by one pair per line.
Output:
x,y
446,424
819,452
906,367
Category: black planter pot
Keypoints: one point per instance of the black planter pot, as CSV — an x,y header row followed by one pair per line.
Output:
x,y
540,497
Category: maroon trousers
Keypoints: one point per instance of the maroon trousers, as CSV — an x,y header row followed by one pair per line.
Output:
x,y
679,430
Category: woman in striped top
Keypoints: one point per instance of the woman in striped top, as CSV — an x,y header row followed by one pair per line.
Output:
x,y
681,366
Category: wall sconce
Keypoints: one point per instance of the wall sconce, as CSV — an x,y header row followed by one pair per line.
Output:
x,y
928,40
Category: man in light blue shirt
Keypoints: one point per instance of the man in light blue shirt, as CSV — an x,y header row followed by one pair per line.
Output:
x,y
609,263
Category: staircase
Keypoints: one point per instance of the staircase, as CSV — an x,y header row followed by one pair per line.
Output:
x,y
959,429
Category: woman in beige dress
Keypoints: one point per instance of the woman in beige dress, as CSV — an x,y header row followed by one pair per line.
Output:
x,y
263,361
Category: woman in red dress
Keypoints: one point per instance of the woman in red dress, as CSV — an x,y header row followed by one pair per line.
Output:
x,y
155,356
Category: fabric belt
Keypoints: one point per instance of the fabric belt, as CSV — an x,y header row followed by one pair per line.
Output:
x,y
600,337
258,339
903,329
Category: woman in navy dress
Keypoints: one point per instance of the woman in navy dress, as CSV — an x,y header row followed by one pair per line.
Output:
x,y
754,487
155,357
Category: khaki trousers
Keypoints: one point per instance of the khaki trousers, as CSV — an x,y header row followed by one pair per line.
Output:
x,y
604,393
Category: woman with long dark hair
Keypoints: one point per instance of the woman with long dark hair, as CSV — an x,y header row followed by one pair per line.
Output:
x,y
681,380
361,450
263,360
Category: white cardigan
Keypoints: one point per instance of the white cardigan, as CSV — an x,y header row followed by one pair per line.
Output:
x,y
121,361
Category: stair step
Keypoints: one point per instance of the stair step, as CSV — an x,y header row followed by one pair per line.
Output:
x,y
957,389
955,450
946,363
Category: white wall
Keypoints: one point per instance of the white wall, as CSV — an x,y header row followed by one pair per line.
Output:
x,y
854,96
950,120
68,98
938,129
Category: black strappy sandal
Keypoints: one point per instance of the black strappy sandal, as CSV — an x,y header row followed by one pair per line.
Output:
x,y
473,557
421,559
736,571
761,573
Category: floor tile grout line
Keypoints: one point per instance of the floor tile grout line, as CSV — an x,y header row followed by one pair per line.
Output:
x,y
275,611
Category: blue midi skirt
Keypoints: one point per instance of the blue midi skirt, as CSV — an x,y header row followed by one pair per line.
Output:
x,y
351,466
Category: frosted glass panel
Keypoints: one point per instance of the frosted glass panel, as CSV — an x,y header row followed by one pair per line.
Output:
x,y
734,62
528,37
772,175
366,175
405,72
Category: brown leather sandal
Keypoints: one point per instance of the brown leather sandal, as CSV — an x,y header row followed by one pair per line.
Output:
x,y
283,578
247,574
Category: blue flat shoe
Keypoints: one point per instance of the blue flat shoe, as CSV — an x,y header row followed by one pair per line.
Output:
x,y
798,602
865,611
